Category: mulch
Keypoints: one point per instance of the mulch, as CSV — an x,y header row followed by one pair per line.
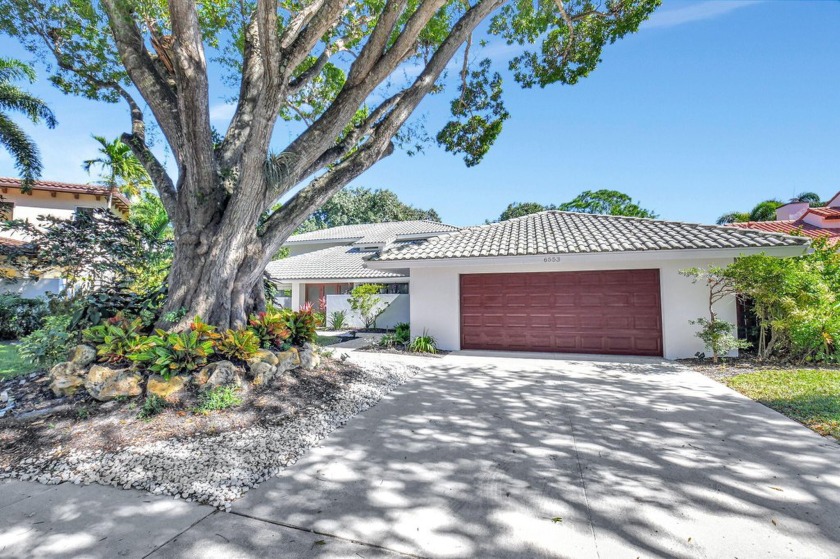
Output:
x,y
40,422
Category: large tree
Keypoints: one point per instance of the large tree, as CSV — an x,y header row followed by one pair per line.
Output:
x,y
350,73
607,202
352,206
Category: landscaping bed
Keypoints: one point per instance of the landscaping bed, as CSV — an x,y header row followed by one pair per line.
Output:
x,y
211,457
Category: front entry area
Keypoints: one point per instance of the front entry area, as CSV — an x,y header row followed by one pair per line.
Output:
x,y
607,312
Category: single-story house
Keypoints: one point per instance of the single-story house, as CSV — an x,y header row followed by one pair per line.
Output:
x,y
570,282
799,218
327,264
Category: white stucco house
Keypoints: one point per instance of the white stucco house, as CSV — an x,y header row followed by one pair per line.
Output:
x,y
328,263
556,281
53,198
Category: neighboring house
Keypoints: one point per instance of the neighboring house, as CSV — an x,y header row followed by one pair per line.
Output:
x,y
570,282
328,263
57,199
798,218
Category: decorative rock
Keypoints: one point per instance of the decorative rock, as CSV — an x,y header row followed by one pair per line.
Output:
x,y
222,373
263,356
104,383
82,356
288,360
309,359
66,379
263,373
167,389
4,396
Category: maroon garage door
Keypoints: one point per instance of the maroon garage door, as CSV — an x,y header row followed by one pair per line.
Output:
x,y
615,311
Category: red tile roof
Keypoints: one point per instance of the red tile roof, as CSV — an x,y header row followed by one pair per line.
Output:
x,y
792,227
7,242
53,186
828,213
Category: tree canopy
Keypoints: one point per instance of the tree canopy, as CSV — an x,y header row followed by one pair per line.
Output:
x,y
350,75
607,202
352,206
763,211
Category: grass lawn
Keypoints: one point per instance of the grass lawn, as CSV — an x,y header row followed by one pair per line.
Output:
x,y
11,365
810,396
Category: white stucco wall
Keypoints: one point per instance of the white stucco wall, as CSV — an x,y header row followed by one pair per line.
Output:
x,y
396,311
435,297
32,289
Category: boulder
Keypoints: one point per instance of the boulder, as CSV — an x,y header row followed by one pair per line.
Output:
x,y
66,379
263,356
167,389
104,383
82,355
309,359
288,360
262,373
220,373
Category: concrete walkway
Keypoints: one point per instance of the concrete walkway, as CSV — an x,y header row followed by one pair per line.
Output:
x,y
493,456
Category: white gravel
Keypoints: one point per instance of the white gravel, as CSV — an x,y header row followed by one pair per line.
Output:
x,y
218,469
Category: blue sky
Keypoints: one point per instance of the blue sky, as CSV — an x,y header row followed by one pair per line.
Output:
x,y
712,106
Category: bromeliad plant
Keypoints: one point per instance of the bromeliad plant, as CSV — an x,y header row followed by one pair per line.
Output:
x,y
116,338
172,353
238,344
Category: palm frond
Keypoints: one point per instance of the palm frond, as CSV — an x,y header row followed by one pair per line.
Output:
x,y
279,168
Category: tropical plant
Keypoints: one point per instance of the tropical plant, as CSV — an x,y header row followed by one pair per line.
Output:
x,y
812,198
12,137
171,353
607,202
121,170
365,301
205,331
423,344
349,75
402,332
48,345
301,326
763,211
238,344
271,328
20,316
337,320
117,338
388,341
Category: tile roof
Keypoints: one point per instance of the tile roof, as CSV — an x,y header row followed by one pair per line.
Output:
x,y
791,227
341,262
7,242
54,186
828,213
372,233
556,232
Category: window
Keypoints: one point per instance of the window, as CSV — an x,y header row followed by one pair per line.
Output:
x,y
7,210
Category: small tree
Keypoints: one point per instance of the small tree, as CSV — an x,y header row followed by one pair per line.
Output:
x,y
715,333
365,301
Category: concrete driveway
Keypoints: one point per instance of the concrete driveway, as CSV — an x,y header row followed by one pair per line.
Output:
x,y
496,456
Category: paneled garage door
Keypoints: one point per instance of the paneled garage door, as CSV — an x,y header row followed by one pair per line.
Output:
x,y
614,311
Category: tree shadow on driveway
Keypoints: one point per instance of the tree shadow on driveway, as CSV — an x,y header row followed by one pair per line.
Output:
x,y
503,457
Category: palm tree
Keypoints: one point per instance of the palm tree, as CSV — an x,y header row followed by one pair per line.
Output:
x,y
812,198
12,137
121,170
763,211
733,217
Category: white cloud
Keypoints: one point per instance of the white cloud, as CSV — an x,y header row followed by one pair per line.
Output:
x,y
222,112
695,12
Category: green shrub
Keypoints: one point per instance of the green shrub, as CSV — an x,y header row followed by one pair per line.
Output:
x,y
49,345
172,353
152,406
19,316
238,344
270,327
402,332
301,326
388,340
363,299
423,344
337,320
218,398
718,337
205,331
117,338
